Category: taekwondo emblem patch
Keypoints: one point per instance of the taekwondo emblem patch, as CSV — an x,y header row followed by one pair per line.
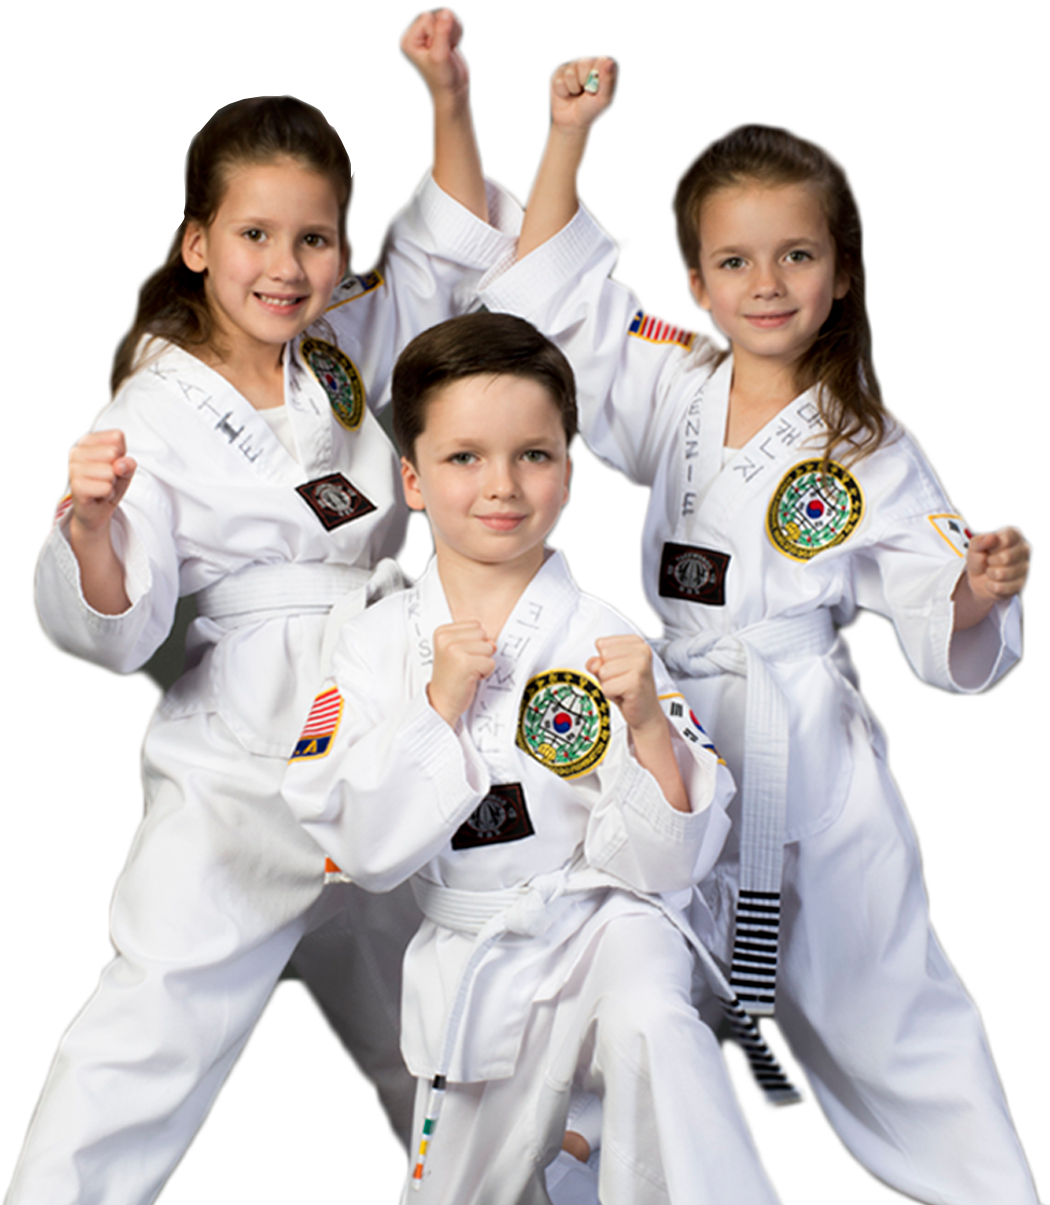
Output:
x,y
321,726
563,722
500,816
815,507
953,529
334,500
696,575
338,377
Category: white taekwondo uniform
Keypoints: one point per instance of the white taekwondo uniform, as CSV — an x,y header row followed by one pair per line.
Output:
x,y
535,838
221,883
754,559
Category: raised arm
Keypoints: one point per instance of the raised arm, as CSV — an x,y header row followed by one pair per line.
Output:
x,y
624,669
431,44
580,92
100,472
996,570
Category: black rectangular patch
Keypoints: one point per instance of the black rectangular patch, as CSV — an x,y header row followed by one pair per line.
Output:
x,y
500,816
334,500
696,575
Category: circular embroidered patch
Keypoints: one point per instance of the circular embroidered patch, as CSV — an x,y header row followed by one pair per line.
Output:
x,y
339,378
563,722
815,507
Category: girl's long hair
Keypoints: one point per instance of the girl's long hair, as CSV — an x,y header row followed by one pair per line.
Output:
x,y
839,362
172,304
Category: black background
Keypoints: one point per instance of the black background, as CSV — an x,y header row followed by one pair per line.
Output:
x,y
294,1118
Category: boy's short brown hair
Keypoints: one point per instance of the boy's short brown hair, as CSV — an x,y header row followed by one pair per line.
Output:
x,y
474,345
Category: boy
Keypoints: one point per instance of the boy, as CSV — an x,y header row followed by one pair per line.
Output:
x,y
755,554
466,739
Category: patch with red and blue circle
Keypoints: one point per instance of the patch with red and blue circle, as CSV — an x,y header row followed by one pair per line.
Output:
x,y
816,506
338,376
564,722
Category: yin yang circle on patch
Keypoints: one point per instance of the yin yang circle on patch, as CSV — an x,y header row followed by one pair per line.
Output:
x,y
563,722
338,377
815,507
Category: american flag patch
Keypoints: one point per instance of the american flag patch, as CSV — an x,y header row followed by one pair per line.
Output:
x,y
64,508
321,726
655,330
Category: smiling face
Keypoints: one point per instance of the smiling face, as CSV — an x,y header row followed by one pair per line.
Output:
x,y
767,269
491,469
271,255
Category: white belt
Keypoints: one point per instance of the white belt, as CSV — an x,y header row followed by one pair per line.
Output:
x,y
259,592
748,653
527,910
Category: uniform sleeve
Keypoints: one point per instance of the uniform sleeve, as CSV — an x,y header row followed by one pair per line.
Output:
x,y
636,835
432,262
909,571
143,540
380,781
631,369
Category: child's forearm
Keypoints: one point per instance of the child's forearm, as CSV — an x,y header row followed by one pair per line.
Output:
x,y
457,160
101,573
968,609
553,201
654,751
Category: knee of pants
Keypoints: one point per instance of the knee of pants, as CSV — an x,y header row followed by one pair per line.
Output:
x,y
636,1022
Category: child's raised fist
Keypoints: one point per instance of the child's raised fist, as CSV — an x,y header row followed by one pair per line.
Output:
x,y
463,655
624,669
581,91
997,564
100,472
431,44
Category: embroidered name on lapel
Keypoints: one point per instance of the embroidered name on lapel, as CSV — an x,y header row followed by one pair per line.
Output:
x,y
563,722
334,500
338,377
500,816
815,507
693,574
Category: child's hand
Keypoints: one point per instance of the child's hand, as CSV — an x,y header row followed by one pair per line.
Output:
x,y
997,564
575,106
624,668
463,655
100,472
431,44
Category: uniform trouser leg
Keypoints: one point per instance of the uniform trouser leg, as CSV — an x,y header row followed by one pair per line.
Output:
x,y
624,1028
892,1044
351,965
220,885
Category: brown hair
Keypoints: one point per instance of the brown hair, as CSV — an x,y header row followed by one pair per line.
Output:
x,y
839,362
172,304
474,345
